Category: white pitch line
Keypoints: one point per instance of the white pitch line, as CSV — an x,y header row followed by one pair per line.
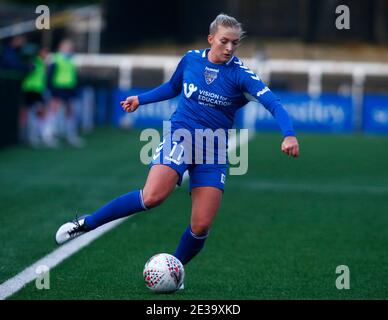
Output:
x,y
54,258
315,188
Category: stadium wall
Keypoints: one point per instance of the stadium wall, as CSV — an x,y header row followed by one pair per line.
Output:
x,y
329,113
345,107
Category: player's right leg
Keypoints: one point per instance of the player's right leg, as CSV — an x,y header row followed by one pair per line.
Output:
x,y
160,183
51,122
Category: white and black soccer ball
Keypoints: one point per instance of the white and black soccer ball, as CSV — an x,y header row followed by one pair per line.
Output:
x,y
163,273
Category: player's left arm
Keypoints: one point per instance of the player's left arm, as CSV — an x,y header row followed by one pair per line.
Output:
x,y
256,88
290,144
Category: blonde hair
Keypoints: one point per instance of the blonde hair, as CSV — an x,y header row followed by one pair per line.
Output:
x,y
225,21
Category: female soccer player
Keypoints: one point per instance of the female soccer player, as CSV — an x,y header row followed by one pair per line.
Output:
x,y
212,84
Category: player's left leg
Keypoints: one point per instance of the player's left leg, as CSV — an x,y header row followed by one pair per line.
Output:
x,y
51,123
205,204
72,135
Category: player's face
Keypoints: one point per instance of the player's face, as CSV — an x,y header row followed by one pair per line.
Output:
x,y
223,44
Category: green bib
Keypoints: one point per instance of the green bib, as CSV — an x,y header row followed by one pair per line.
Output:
x,y
65,73
35,81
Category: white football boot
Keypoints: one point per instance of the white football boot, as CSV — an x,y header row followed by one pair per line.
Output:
x,y
71,230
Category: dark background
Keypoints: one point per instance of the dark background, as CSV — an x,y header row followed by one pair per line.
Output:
x,y
188,20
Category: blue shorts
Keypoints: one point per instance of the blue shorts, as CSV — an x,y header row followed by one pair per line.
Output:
x,y
64,94
200,174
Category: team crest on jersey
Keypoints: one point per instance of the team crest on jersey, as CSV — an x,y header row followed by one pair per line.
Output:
x,y
210,74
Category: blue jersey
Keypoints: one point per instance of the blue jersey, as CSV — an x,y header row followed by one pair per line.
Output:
x,y
210,94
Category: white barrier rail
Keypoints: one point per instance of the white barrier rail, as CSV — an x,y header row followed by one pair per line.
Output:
x,y
92,14
314,70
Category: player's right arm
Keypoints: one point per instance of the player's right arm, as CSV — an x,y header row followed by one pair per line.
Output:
x,y
166,91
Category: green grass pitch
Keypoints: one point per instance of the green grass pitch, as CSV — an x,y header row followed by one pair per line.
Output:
x,y
282,230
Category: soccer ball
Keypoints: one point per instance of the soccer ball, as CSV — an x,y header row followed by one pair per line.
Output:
x,y
163,273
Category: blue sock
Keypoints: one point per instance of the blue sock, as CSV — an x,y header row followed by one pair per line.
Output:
x,y
123,206
189,245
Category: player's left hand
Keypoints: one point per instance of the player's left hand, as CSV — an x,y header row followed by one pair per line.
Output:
x,y
290,146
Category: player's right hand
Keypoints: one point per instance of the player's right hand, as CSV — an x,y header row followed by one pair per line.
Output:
x,y
130,104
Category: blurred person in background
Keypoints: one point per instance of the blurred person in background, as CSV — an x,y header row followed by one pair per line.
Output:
x,y
63,87
33,125
212,84
12,56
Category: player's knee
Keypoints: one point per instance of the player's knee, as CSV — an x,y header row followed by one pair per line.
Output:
x,y
200,228
152,199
